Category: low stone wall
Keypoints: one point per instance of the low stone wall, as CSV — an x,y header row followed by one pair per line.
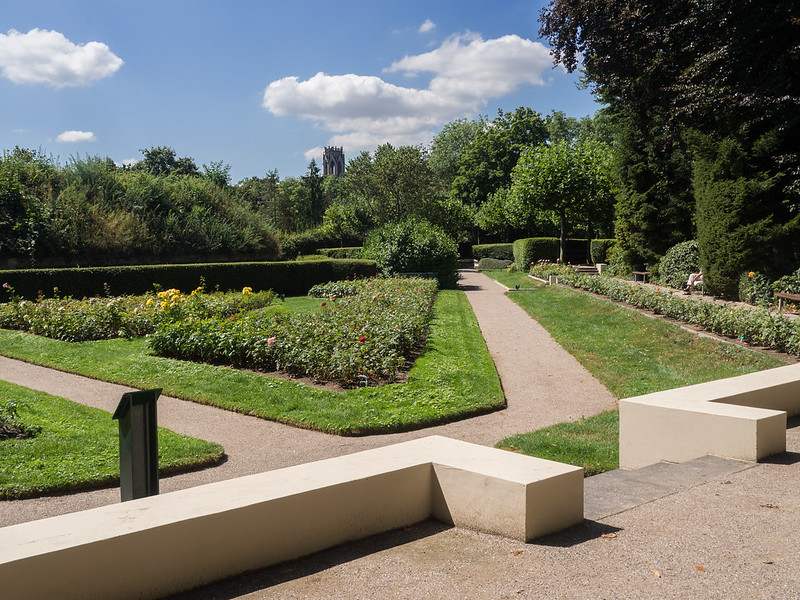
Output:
x,y
161,545
740,417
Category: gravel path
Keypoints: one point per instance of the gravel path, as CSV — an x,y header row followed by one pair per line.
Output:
x,y
543,385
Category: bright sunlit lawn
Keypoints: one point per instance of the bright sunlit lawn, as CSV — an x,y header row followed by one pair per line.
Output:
x,y
75,447
630,353
452,379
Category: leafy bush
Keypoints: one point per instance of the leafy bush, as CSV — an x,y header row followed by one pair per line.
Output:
x,y
544,269
332,289
497,251
129,316
531,250
754,288
370,333
493,263
347,252
305,242
414,246
678,263
788,284
600,248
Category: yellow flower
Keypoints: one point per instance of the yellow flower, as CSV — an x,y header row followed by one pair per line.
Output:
x,y
149,302
751,274
247,290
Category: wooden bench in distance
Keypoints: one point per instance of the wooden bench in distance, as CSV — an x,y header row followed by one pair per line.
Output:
x,y
641,276
161,545
781,296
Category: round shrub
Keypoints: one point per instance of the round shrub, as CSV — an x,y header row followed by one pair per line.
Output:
x,y
678,263
754,288
414,246
493,263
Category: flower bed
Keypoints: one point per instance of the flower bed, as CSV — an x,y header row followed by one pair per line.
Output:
x,y
372,331
98,318
755,326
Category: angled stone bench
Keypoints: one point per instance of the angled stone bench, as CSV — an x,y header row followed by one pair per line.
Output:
x,y
164,544
740,417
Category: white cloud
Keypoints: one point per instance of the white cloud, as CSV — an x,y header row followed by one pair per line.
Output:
x,y
42,56
364,111
76,136
427,26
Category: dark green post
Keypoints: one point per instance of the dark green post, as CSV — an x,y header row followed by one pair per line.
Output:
x,y
138,444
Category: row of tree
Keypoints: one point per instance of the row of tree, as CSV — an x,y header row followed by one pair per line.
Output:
x,y
705,98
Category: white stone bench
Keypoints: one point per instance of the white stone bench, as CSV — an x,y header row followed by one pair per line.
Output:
x,y
164,544
741,417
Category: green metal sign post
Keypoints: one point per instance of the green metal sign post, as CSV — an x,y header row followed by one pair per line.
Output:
x,y
138,444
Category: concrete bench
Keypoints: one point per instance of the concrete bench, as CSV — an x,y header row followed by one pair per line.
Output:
x,y
164,544
740,417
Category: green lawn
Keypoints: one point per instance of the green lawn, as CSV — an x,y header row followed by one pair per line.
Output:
x,y
630,353
77,447
454,378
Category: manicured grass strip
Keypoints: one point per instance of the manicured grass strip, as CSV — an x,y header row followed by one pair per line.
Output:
x,y
592,443
630,353
77,447
453,379
510,279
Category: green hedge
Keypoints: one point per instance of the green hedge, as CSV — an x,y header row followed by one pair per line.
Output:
x,y
493,263
600,249
291,277
497,251
347,252
530,250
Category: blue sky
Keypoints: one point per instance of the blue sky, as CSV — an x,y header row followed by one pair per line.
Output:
x,y
265,85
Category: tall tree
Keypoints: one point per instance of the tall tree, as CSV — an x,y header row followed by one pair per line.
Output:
x,y
449,144
316,195
725,69
565,183
486,165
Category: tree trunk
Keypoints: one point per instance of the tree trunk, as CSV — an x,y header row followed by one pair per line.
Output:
x,y
561,240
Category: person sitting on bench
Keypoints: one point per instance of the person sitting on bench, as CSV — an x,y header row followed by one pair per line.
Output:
x,y
695,279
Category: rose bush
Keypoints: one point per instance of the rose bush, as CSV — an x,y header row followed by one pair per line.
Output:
x,y
756,326
101,318
371,328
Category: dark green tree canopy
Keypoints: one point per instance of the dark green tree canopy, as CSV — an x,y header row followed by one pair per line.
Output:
x,y
486,165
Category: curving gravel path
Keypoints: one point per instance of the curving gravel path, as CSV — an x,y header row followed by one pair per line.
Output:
x,y
543,385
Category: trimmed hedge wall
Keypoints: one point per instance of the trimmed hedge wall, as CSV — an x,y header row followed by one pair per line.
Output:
x,y
347,252
498,251
290,277
600,249
529,250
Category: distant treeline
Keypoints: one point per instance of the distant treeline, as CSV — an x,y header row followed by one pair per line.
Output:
x,y
92,211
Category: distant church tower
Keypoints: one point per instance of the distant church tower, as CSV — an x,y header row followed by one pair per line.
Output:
x,y
333,161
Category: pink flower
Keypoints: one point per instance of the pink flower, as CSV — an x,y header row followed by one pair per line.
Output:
x,y
324,303
362,338
271,342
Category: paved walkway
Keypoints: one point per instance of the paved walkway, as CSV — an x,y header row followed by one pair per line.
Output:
x,y
543,385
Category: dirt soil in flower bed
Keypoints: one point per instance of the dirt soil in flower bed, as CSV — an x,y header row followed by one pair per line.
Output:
x,y
10,432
